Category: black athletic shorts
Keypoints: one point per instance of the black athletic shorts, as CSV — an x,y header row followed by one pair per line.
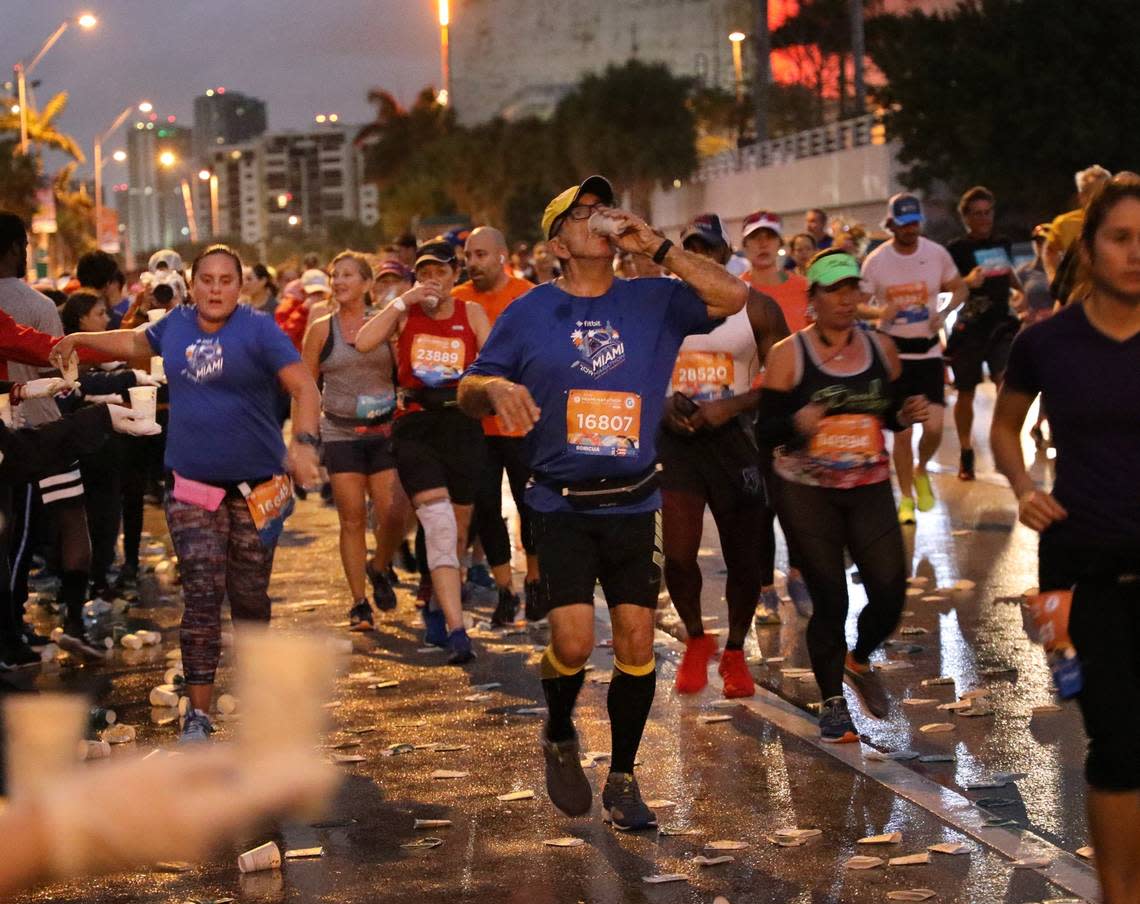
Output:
x,y
978,344
1105,631
577,550
924,377
721,466
439,449
366,455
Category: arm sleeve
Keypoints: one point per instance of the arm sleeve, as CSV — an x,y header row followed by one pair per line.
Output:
x,y
24,344
775,423
29,454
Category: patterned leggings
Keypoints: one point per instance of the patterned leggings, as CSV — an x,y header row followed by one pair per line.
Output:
x,y
219,554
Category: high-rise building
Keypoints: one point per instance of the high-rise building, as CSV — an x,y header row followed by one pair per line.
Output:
x,y
224,117
158,161
292,182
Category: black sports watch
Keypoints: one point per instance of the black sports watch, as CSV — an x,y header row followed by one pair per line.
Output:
x,y
308,439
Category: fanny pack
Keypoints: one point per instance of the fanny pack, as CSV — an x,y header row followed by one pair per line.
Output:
x,y
430,398
269,501
914,346
381,426
607,492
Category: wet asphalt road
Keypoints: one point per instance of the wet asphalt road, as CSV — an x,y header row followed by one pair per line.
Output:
x,y
738,780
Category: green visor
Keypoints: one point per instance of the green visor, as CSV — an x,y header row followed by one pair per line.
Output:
x,y
831,269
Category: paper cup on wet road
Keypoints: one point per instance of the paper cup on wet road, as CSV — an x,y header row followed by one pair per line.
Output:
x,y
155,314
144,403
268,856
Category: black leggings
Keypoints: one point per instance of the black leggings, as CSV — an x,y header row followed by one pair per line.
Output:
x,y
825,522
503,453
1104,624
742,543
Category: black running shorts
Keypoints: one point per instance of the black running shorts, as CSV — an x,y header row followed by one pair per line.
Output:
x,y
923,377
439,449
577,550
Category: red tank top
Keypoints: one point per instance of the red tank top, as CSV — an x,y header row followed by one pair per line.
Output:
x,y
434,353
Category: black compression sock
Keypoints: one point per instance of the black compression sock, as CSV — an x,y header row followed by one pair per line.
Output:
x,y
628,703
734,645
73,594
560,686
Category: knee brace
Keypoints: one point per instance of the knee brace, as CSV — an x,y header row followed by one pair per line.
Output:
x,y
441,533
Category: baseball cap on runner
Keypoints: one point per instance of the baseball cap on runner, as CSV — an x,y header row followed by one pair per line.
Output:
x,y
438,250
828,269
903,209
393,268
166,257
594,185
315,281
709,228
762,219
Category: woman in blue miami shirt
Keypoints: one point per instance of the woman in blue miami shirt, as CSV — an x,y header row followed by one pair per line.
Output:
x,y
224,364
582,364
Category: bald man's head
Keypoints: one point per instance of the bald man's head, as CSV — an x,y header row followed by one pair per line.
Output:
x,y
486,258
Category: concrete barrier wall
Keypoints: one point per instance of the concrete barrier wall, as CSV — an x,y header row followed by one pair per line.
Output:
x,y
853,183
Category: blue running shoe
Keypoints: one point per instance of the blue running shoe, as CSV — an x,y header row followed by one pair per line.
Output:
x,y
480,576
459,645
196,728
435,625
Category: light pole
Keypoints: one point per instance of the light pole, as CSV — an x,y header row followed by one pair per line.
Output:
x,y
737,38
97,158
444,95
85,21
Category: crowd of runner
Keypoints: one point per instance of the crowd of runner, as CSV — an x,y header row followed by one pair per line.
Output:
x,y
621,383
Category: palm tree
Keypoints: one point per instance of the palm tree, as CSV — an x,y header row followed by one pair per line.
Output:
x,y
41,128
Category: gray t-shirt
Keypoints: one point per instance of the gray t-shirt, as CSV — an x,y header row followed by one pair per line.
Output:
x,y
30,308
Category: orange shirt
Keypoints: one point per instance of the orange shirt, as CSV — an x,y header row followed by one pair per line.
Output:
x,y
494,303
791,295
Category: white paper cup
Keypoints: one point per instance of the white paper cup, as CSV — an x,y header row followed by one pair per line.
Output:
x,y
155,314
157,367
43,732
267,856
131,641
144,403
604,224
164,695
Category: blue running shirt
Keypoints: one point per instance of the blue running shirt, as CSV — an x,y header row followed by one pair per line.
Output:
x,y
599,369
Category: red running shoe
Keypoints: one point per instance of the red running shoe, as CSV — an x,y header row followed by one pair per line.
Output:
x,y
693,673
737,679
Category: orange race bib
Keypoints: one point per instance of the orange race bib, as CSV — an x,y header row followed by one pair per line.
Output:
x,y
437,359
848,439
603,423
704,375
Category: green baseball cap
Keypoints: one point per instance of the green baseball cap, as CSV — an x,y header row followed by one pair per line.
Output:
x,y
831,269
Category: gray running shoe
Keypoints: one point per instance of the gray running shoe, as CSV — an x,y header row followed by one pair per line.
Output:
x,y
865,682
196,727
835,725
566,783
623,804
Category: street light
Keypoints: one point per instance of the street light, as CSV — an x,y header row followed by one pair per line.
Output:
x,y
86,21
167,159
737,38
444,95
119,156
97,157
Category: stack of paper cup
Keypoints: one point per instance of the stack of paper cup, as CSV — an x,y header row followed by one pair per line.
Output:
x,y
157,368
144,403
155,314
267,856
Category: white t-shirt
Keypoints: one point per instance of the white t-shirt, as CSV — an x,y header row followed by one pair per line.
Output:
x,y
912,282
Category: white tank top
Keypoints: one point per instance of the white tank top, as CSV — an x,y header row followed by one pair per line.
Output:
x,y
718,365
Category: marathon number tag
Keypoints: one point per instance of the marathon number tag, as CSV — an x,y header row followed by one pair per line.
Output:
x,y
270,503
437,359
910,300
603,423
704,376
847,440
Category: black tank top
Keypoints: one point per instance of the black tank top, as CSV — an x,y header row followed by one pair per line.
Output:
x,y
848,449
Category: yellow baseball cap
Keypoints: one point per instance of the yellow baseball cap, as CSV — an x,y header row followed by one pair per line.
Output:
x,y
594,185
